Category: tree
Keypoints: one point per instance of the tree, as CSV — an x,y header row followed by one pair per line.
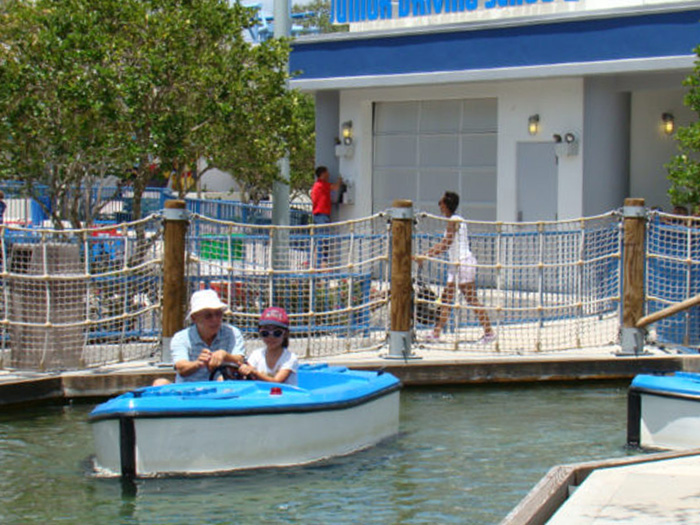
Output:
x,y
302,154
125,87
274,120
684,168
54,93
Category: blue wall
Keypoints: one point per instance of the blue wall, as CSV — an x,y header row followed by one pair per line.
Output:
x,y
590,40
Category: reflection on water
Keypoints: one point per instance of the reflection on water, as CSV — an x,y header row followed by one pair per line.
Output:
x,y
465,455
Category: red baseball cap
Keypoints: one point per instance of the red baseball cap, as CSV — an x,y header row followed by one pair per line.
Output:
x,y
275,316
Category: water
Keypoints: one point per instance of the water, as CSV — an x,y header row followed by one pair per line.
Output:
x,y
465,455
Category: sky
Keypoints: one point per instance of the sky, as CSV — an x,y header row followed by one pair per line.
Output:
x,y
268,5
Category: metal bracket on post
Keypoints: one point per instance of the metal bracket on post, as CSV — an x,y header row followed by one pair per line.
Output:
x,y
631,341
166,356
401,213
175,214
634,212
400,346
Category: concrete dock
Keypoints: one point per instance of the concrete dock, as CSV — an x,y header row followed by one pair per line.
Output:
x,y
653,492
652,489
424,368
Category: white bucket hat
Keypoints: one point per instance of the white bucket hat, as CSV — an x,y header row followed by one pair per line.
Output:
x,y
205,300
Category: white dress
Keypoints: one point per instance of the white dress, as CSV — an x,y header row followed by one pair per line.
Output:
x,y
463,263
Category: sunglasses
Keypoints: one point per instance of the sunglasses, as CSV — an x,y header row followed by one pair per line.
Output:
x,y
278,332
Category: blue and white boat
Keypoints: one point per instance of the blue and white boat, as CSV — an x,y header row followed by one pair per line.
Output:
x,y
663,411
218,426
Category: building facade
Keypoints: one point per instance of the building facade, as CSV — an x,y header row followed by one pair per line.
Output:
x,y
530,110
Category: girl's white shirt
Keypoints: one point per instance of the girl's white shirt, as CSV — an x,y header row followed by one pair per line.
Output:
x,y
287,361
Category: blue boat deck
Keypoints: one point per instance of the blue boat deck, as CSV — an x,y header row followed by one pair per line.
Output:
x,y
321,388
685,384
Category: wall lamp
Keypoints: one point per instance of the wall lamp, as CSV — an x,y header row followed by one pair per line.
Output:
x,y
669,123
533,124
346,132
344,146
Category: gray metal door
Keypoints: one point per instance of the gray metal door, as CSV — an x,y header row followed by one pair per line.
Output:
x,y
537,181
423,148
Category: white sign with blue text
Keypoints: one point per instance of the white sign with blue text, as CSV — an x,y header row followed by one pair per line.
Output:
x,y
365,15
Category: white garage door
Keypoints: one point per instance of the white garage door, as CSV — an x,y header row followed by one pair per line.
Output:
x,y
424,148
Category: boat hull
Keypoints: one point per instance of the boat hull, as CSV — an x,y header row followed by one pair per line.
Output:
x,y
293,427
664,412
214,444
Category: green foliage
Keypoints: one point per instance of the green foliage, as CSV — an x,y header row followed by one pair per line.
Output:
x,y
90,88
303,146
684,168
53,90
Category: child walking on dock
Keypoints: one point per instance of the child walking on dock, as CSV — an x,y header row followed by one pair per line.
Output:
x,y
462,269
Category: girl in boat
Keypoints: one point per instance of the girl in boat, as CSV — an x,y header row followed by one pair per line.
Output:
x,y
275,362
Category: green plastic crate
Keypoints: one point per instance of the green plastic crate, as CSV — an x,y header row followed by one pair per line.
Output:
x,y
219,248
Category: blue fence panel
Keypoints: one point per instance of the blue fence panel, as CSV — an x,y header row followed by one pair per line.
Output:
x,y
246,213
673,275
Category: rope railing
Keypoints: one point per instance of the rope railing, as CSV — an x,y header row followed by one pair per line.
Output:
x,y
545,286
673,276
78,298
331,279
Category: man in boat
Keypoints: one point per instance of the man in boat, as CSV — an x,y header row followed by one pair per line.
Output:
x,y
208,343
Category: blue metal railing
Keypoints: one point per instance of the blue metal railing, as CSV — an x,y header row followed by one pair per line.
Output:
x,y
118,206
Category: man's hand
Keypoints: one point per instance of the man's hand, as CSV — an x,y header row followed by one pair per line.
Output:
x,y
217,359
204,358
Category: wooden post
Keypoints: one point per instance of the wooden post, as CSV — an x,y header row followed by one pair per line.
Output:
x,y
401,285
632,341
174,289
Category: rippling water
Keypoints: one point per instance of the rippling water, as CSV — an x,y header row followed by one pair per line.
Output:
x,y
465,455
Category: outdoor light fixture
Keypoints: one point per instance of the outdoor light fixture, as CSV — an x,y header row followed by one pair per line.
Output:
x,y
346,132
533,124
566,145
344,146
669,123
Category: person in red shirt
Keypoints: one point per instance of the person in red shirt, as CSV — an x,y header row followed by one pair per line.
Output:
x,y
321,195
321,210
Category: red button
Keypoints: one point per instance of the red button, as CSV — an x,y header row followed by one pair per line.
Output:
x,y
275,391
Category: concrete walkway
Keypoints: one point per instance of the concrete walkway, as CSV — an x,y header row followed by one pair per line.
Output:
x,y
661,488
653,493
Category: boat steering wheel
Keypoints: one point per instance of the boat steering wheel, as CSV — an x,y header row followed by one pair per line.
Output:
x,y
227,371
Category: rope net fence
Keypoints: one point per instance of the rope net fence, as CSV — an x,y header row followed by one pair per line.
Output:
x,y
332,279
545,286
78,298
673,275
